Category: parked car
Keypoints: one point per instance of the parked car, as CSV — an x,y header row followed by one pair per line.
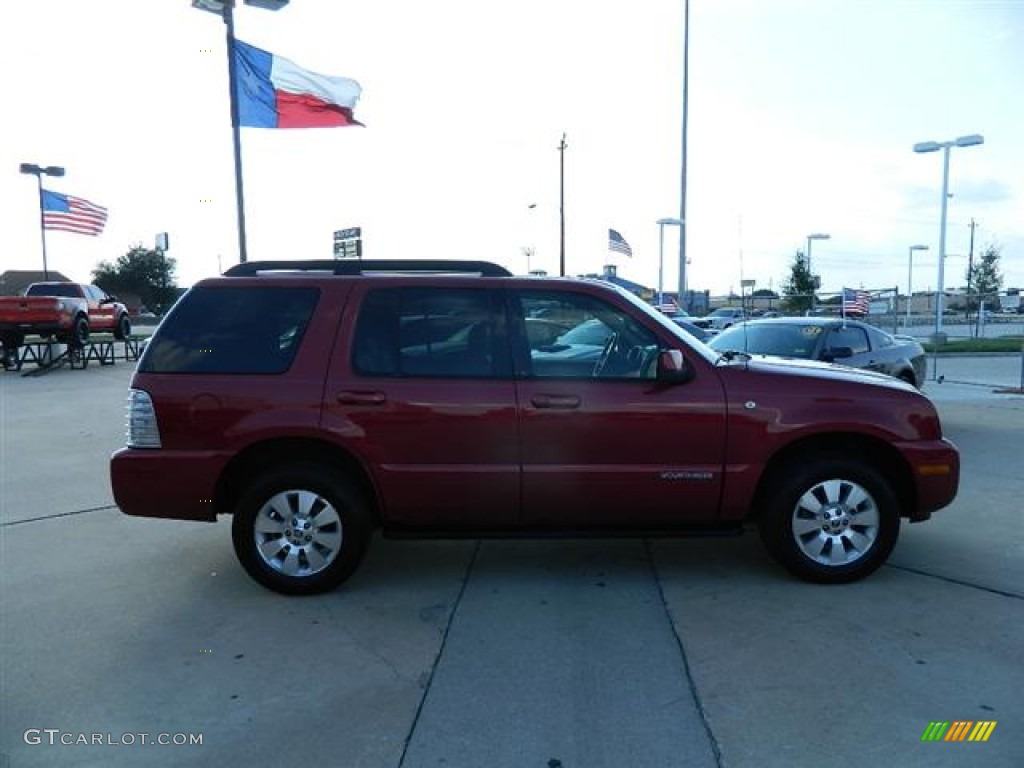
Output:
x,y
687,324
851,342
721,318
315,407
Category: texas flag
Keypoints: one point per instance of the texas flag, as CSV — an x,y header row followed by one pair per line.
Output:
x,y
273,92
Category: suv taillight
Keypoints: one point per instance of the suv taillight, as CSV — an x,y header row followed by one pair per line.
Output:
x,y
143,431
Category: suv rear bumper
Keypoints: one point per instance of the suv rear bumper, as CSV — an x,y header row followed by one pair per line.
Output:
x,y
160,483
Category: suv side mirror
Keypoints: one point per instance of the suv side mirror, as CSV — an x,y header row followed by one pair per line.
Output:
x,y
672,367
835,353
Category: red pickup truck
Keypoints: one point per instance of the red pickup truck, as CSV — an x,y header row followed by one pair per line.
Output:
x,y
67,311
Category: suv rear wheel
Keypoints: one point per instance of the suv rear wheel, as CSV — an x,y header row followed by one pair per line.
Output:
x,y
299,530
831,521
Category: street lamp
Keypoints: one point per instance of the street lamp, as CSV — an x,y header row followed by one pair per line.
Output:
x,y
39,171
910,275
662,223
934,146
224,9
811,238
530,250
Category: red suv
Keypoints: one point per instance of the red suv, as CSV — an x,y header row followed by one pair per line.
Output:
x,y
318,401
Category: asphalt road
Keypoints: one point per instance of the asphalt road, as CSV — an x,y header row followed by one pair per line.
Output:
x,y
579,654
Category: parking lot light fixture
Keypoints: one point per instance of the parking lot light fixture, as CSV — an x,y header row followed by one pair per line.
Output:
x,y
662,223
910,277
39,171
810,239
923,147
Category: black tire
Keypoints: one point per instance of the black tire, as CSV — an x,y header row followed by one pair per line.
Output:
x,y
315,529
123,329
848,530
78,336
11,341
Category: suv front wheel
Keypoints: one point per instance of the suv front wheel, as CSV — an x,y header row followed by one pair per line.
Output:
x,y
299,530
831,521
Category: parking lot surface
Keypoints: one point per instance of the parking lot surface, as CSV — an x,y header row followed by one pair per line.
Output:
x,y
694,652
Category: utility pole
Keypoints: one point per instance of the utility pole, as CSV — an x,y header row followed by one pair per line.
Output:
x,y
970,269
561,205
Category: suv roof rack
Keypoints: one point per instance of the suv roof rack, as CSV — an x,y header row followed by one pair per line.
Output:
x,y
371,266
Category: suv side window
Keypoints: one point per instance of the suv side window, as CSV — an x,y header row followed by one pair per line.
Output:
x,y
430,332
851,337
571,335
224,329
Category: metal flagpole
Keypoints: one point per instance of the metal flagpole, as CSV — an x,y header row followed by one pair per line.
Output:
x,y
229,21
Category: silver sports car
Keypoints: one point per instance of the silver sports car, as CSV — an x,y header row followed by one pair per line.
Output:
x,y
834,340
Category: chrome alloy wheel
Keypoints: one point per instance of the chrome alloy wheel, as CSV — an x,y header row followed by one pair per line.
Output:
x,y
297,533
836,522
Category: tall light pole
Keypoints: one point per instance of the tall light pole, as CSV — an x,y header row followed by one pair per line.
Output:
x,y
810,239
662,223
910,277
934,146
39,171
562,146
682,174
225,9
530,250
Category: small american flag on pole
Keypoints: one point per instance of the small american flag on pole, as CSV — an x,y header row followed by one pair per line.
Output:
x,y
855,302
72,214
617,243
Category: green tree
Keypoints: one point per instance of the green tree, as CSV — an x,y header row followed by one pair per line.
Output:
x,y
798,288
984,278
147,273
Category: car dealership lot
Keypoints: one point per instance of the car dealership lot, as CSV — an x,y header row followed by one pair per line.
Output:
x,y
502,653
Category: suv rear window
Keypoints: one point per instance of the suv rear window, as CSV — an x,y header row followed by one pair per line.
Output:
x,y
228,329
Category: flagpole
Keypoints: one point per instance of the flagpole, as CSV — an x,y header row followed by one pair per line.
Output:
x,y
229,21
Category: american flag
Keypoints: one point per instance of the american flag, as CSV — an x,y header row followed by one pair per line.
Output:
x,y
72,214
855,302
617,242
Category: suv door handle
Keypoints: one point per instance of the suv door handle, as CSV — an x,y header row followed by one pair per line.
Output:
x,y
361,398
555,401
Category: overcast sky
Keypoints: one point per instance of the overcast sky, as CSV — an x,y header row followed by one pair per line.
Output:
x,y
802,115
